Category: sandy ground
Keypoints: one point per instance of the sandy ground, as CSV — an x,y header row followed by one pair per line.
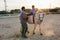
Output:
x,y
10,28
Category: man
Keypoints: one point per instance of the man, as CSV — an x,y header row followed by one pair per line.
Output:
x,y
23,19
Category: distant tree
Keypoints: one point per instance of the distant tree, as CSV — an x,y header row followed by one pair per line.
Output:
x,y
12,11
4,12
54,10
15,11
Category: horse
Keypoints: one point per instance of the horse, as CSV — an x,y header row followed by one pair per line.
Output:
x,y
36,21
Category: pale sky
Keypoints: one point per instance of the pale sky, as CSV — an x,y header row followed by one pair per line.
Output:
x,y
17,4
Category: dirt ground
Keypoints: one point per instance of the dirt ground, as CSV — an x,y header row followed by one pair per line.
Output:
x,y
10,28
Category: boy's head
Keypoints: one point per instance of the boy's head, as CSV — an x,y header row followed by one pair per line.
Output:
x,y
23,8
33,7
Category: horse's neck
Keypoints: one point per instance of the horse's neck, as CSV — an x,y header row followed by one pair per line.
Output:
x,y
37,15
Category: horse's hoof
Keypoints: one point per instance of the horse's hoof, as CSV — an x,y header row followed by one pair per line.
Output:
x,y
27,31
41,34
33,33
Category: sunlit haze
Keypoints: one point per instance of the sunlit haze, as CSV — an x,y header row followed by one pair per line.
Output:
x,y
17,4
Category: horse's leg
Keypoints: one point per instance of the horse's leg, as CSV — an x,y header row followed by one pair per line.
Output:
x,y
34,21
40,29
34,28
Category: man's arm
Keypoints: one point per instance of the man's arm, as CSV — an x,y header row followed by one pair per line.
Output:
x,y
29,14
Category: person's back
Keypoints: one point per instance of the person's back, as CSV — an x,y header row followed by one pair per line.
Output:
x,y
41,13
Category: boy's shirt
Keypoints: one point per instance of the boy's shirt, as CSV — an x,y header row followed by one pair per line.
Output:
x,y
33,12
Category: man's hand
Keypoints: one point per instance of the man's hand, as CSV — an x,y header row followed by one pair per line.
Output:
x,y
29,14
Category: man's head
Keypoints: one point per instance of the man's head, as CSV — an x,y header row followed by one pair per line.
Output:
x,y
23,8
33,7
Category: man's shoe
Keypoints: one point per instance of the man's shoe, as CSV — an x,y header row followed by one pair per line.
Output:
x,y
24,37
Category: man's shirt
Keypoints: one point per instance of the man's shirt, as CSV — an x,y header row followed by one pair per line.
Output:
x,y
21,17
